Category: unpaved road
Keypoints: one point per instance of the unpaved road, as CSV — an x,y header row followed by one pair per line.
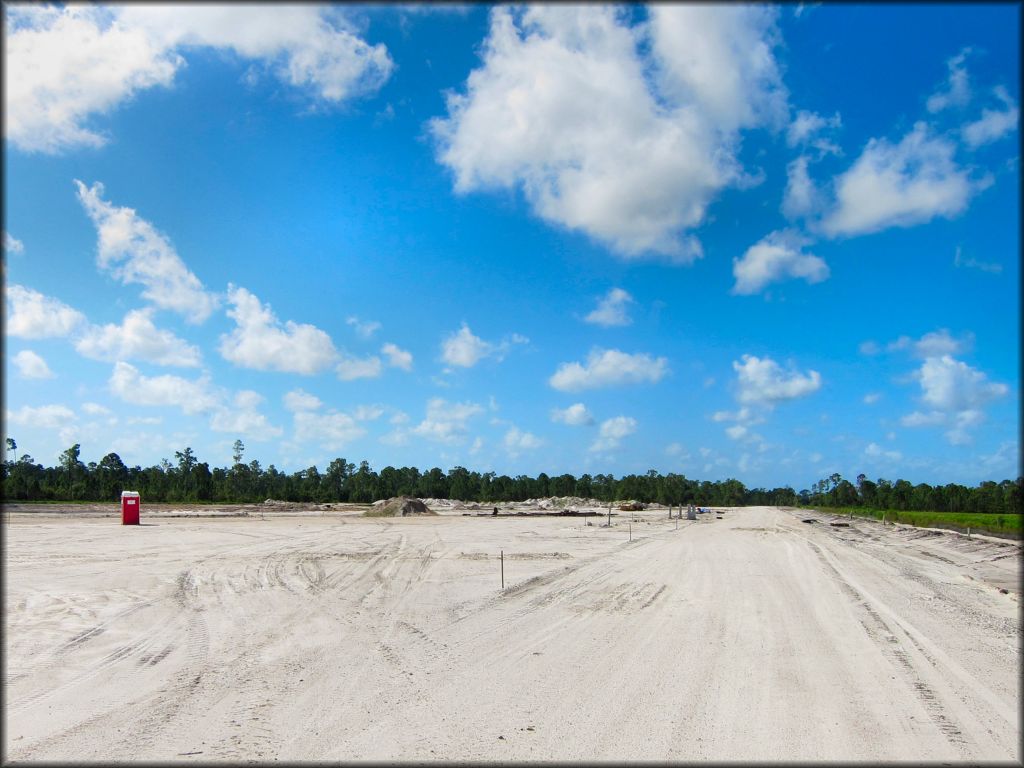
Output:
x,y
336,637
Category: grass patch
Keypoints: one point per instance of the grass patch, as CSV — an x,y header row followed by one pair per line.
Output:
x,y
1005,525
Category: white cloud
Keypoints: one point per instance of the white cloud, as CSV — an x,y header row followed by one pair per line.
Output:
x,y
42,417
563,109
367,412
872,397
516,442
397,357
762,381
972,263
446,422
258,340
920,419
612,431
576,415
869,348
609,368
464,349
956,394
806,127
900,185
611,310
95,409
958,90
12,244
720,59
244,418
332,430
31,315
70,64
875,451
135,252
993,124
192,396
952,385
676,449
300,400
136,338
351,368
736,431
31,366
802,197
932,344
365,328
776,257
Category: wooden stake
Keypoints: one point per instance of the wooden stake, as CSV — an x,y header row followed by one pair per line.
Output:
x,y
503,569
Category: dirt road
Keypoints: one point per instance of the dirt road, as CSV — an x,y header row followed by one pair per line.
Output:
x,y
751,637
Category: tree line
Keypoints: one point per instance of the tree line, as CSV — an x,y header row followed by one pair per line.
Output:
x,y
190,480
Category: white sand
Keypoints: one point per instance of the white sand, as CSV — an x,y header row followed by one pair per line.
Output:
x,y
334,637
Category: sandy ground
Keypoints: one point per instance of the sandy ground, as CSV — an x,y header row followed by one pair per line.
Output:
x,y
328,636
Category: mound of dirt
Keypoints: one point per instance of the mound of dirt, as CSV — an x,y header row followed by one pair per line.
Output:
x,y
400,506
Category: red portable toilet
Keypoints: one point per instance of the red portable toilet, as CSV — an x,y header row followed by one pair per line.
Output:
x,y
130,503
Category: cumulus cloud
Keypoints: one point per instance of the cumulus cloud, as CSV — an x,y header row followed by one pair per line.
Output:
x,y
900,185
776,257
135,252
802,196
32,315
136,338
42,417
875,451
806,130
952,385
993,124
612,431
465,350
244,418
745,418
192,396
517,442
612,309
397,357
957,91
609,368
365,328
446,422
69,64
12,244
259,340
872,397
350,368
332,429
933,344
300,400
576,415
31,366
562,107
955,394
762,381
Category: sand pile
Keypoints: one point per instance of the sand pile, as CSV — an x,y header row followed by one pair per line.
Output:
x,y
399,506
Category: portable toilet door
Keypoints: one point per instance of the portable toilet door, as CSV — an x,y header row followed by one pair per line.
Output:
x,y
130,503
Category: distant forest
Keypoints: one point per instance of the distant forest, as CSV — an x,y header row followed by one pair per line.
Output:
x,y
190,480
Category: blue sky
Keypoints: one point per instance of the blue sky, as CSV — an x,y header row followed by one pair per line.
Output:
x,y
766,242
